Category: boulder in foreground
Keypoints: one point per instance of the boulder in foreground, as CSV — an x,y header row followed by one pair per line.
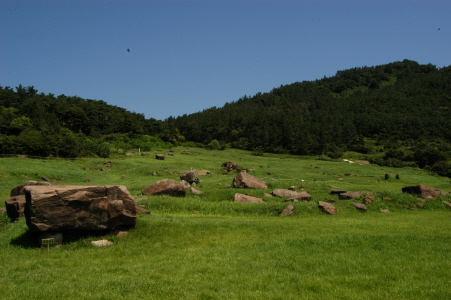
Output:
x,y
68,207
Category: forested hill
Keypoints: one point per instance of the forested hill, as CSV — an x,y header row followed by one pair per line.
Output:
x,y
402,109
401,103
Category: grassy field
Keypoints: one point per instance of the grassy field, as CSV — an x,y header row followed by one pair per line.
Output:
x,y
208,247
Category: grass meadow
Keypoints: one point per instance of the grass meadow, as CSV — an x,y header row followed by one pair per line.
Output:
x,y
208,247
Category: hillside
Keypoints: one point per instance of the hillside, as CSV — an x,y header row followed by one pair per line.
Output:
x,y
397,114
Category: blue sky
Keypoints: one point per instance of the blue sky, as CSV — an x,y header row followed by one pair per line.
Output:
x,y
187,56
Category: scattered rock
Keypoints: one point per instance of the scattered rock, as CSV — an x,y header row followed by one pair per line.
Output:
x,y
246,199
87,180
230,167
102,243
190,176
287,211
360,206
267,195
423,191
66,207
337,192
382,210
159,156
15,207
447,203
352,195
327,208
245,180
166,186
195,191
47,179
368,200
293,194
141,210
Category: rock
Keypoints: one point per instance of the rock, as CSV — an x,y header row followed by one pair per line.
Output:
x,y
18,190
167,187
15,207
293,194
423,191
360,206
245,180
287,211
195,191
231,166
267,195
384,210
67,207
190,176
159,156
141,210
337,192
327,208
447,203
185,184
102,243
246,199
368,200
352,195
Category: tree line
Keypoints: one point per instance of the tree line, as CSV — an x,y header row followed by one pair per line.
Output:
x,y
397,114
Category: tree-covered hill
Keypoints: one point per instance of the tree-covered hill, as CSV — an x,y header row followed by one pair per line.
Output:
x,y
401,108
398,101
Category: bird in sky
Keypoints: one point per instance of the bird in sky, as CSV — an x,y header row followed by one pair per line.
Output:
x,y
128,50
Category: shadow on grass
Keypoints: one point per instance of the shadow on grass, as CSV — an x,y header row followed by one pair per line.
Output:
x,y
30,239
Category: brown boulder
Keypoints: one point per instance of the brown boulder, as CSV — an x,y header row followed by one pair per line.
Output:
x,y
368,200
360,206
67,207
287,211
352,195
292,194
231,166
159,156
245,180
246,199
423,191
327,208
15,207
166,186
190,177
18,190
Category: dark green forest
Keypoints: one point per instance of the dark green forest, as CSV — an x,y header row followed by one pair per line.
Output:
x,y
396,114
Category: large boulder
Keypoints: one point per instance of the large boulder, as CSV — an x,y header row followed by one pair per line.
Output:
x,y
68,207
190,176
422,191
245,180
18,190
292,194
246,199
166,187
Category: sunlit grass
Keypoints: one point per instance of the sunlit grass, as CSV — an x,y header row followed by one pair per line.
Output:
x,y
208,247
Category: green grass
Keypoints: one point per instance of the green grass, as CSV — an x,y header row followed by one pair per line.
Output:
x,y
208,247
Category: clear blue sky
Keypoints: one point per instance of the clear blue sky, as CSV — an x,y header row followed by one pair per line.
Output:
x,y
187,56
